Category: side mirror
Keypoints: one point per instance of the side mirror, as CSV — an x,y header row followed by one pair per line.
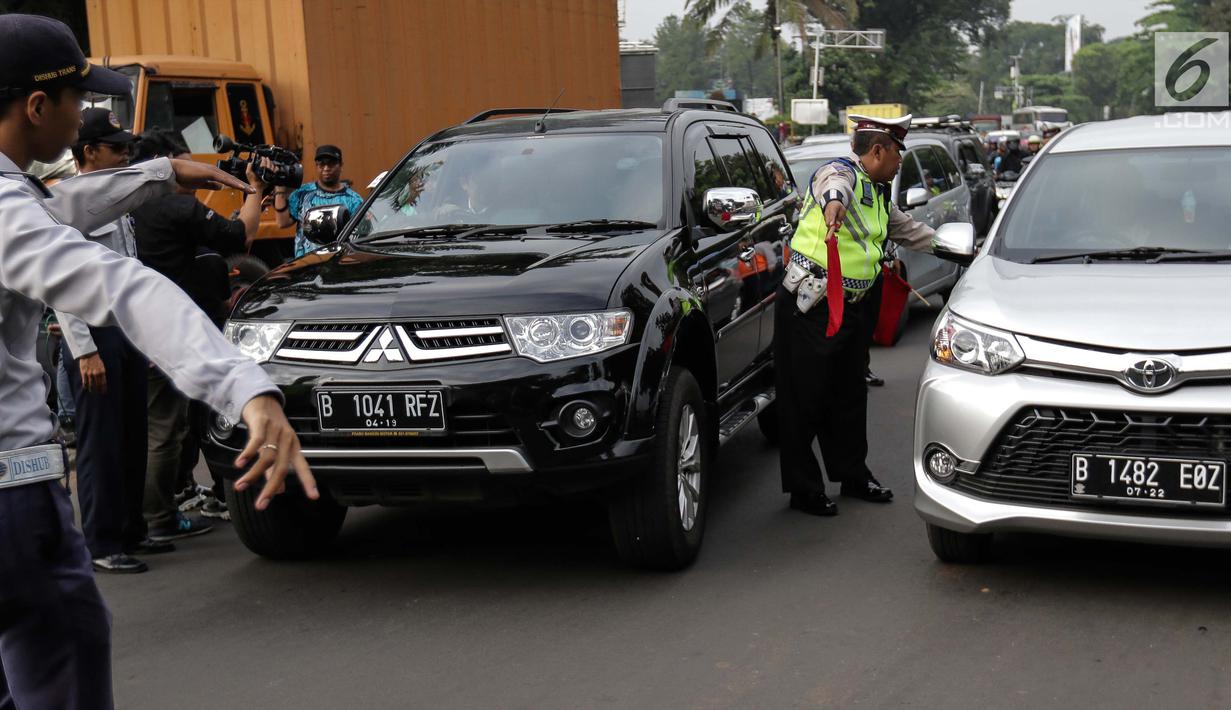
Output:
x,y
729,208
955,241
916,196
322,224
976,170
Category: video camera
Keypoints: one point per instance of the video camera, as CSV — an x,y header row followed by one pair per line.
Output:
x,y
286,170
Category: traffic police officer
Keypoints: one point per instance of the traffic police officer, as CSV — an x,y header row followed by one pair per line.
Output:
x,y
55,632
822,316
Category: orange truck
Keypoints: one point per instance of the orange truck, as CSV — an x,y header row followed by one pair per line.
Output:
x,y
373,77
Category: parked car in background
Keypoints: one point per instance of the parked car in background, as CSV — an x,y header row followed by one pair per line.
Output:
x,y
1080,376
966,147
929,187
556,305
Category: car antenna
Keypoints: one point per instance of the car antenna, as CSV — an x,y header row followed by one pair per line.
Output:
x,y
541,126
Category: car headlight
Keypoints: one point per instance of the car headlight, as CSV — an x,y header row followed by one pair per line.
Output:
x,y
256,339
969,346
548,338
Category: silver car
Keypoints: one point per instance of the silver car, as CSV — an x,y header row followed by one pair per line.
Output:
x,y
928,187
1080,376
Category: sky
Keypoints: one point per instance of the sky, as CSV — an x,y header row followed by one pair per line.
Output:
x,y
1117,16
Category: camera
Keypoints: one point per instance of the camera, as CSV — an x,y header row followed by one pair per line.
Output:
x,y
285,169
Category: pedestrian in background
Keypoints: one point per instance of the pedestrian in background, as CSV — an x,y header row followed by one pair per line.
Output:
x,y
292,206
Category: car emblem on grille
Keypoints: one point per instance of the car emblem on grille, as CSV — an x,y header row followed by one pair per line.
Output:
x,y
385,347
1150,375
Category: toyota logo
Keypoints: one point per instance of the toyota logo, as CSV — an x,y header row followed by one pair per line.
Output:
x,y
1150,375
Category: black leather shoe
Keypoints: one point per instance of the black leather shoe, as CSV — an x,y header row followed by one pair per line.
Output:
x,y
873,379
150,547
869,490
813,504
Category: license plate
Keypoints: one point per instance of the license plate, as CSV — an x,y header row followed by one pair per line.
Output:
x,y
407,410
1150,479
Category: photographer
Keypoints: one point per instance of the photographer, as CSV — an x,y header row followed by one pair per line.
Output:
x,y
185,241
327,190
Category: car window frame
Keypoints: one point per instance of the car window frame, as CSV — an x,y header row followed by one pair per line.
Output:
x,y
912,155
779,160
929,147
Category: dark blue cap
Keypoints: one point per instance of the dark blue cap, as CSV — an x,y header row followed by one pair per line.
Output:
x,y
38,53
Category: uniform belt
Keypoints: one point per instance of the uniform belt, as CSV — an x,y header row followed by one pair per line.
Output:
x,y
33,464
859,287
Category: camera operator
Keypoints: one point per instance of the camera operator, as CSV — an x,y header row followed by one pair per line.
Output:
x,y
327,190
185,241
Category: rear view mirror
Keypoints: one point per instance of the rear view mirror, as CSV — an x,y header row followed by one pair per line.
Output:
x,y
729,208
955,241
916,196
322,224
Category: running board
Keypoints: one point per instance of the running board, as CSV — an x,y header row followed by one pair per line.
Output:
x,y
746,412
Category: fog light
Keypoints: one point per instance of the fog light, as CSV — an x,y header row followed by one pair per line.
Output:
x,y
579,419
940,464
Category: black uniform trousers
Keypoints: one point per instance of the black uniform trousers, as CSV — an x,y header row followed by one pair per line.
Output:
x,y
55,632
111,445
821,392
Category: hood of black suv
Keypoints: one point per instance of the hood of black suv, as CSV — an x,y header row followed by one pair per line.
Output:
x,y
488,275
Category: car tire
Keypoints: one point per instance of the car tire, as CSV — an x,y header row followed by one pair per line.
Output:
x,y
291,528
957,547
767,420
655,522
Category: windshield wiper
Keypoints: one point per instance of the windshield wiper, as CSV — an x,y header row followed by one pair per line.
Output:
x,y
417,232
600,225
1134,254
1194,255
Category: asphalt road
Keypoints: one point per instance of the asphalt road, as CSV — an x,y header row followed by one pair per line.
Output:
x,y
531,609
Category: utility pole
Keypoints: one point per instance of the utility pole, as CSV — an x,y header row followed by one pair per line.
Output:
x,y
782,109
873,40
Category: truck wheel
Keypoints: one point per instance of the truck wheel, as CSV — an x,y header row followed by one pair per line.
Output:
x,y
959,548
291,528
767,420
658,518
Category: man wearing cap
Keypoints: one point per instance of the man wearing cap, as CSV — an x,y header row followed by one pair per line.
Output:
x,y
823,314
107,380
55,643
327,190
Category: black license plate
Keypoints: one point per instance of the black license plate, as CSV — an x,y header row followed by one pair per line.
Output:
x,y
407,410
1150,479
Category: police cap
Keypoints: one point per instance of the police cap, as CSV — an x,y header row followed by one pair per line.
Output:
x,y
895,127
38,54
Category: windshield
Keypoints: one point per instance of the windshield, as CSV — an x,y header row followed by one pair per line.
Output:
x,y
531,180
121,106
1177,198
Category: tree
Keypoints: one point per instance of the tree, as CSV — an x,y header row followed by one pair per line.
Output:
x,y
682,62
742,62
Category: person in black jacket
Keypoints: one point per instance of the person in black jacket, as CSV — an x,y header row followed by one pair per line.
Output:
x,y
185,241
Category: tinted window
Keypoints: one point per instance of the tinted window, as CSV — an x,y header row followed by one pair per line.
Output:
x,y
1023,117
909,176
532,180
245,113
704,171
935,177
1120,199
187,109
950,168
1054,116
780,178
966,156
740,170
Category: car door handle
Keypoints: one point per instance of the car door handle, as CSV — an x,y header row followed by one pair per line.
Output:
x,y
747,254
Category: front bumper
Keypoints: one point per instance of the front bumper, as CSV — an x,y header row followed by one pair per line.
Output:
x,y
503,440
967,413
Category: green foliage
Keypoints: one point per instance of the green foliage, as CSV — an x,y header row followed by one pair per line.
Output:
x,y
683,62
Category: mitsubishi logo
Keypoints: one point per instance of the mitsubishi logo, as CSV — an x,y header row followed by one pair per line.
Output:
x,y
1150,375
385,347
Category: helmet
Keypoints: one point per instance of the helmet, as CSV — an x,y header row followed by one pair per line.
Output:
x,y
1034,139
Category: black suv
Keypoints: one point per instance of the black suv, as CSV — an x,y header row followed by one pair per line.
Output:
x,y
965,146
529,305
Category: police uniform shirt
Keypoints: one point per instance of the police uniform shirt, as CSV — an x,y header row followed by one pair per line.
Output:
x,y
44,261
836,181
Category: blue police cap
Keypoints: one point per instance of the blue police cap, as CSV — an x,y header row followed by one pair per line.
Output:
x,y
38,53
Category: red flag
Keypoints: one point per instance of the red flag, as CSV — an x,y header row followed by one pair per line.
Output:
x,y
833,289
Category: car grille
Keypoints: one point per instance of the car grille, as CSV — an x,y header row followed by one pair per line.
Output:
x,y
1030,460
412,341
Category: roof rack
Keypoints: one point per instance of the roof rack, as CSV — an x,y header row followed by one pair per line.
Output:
x,y
951,121
676,104
496,112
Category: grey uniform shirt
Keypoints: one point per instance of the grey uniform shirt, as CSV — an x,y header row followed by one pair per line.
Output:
x,y
120,237
44,261
836,181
